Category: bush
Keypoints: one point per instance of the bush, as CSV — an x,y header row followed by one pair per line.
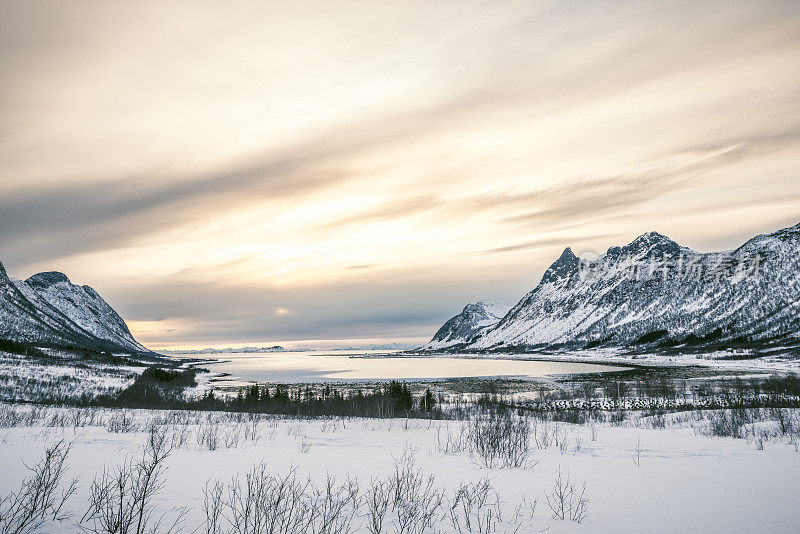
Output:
x,y
565,501
500,439
262,503
121,500
41,496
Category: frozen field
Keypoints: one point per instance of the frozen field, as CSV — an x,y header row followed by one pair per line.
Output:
x,y
637,479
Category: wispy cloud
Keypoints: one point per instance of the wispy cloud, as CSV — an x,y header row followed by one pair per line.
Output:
x,y
369,169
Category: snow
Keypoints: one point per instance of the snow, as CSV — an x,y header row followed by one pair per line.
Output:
x,y
464,326
48,309
654,284
87,309
685,482
26,379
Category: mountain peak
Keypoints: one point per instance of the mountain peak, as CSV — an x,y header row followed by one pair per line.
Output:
x,y
562,267
3,274
652,238
463,327
46,279
652,242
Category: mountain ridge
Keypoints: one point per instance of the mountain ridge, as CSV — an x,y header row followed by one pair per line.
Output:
x,y
462,328
656,293
50,311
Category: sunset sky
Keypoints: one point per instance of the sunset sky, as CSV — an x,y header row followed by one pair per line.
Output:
x,y
333,173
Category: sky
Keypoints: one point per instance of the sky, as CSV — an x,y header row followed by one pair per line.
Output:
x,y
334,173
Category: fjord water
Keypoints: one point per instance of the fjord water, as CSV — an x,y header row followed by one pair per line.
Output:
x,y
318,366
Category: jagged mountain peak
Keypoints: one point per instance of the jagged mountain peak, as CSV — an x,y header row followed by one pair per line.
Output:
x,y
721,293
651,242
685,298
565,265
46,279
465,326
3,274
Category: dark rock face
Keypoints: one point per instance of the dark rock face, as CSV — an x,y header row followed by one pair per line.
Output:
x,y
46,279
562,268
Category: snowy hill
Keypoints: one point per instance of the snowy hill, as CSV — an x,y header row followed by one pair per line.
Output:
x,y
655,293
463,328
48,310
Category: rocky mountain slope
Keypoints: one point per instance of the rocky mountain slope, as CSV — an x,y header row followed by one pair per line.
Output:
x,y
463,328
48,310
656,293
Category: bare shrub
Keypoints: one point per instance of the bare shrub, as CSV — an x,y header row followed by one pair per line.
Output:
x,y
263,503
730,423
500,440
252,429
524,508
781,416
179,434
303,446
637,452
208,436
475,508
40,497
377,503
10,416
560,436
121,500
658,421
452,442
565,501
546,434
415,499
335,507
231,438
121,422
213,506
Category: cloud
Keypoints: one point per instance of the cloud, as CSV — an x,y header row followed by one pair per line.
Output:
x,y
539,243
370,170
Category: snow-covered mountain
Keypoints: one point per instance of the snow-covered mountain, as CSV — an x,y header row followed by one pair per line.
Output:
x,y
655,293
47,309
463,328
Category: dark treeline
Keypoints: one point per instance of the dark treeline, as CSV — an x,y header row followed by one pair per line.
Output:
x,y
162,389
159,388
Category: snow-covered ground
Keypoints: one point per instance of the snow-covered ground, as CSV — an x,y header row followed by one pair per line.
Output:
x,y
683,481
26,379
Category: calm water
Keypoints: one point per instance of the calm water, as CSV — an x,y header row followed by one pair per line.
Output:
x,y
339,366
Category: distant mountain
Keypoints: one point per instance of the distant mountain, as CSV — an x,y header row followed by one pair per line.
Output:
x,y
654,293
464,327
48,310
227,350
381,346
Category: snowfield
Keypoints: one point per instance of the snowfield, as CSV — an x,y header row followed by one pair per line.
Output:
x,y
26,379
637,478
